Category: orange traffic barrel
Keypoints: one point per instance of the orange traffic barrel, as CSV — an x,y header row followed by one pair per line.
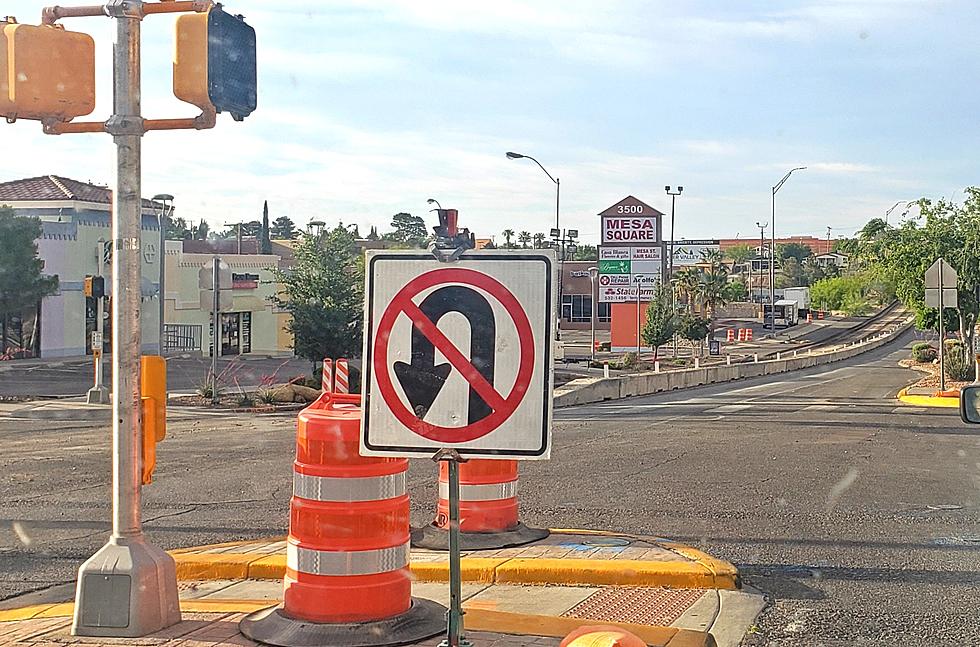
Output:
x,y
820,314
748,334
488,509
809,317
731,335
347,553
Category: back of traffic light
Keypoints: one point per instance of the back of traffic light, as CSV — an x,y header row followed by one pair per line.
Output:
x,y
47,73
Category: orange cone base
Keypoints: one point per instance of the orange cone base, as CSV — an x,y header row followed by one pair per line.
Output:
x,y
435,538
423,620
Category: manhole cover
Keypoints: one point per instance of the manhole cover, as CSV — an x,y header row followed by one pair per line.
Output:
x,y
640,605
606,541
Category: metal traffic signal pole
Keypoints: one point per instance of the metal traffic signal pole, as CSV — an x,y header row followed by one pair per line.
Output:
x,y
129,587
215,327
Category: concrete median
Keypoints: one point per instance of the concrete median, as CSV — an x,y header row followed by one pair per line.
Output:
x,y
591,390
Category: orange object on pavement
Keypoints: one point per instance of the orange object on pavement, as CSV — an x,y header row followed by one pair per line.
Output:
x,y
731,335
820,314
347,552
809,317
348,545
748,334
601,636
487,496
951,393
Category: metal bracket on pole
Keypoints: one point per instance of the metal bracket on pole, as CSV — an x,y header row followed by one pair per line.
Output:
x,y
455,636
125,9
450,242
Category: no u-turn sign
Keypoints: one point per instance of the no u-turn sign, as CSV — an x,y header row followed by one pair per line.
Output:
x,y
458,354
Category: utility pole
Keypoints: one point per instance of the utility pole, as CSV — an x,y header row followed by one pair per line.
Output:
x,y
215,328
762,253
772,251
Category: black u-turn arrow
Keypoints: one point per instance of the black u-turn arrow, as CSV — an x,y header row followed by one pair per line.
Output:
x,y
423,379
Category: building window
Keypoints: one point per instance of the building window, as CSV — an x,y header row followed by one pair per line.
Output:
x,y
604,313
576,308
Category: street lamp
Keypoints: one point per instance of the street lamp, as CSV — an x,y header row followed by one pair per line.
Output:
x,y
673,198
517,156
762,253
435,202
907,204
163,200
592,298
772,249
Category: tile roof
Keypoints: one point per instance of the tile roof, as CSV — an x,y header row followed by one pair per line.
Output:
x,y
55,187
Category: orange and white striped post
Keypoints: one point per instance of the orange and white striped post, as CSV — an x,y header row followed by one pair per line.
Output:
x,y
342,378
348,547
731,335
488,508
748,334
326,377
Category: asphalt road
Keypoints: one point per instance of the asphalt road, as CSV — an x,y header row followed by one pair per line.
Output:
x,y
858,516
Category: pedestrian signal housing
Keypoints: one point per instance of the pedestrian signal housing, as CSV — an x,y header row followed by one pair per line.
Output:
x,y
46,72
214,63
94,286
153,396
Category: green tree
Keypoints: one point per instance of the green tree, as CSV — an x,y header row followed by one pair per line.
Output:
x,y
793,250
586,253
508,235
202,231
739,255
714,293
688,286
323,294
177,229
373,234
538,240
661,323
524,238
283,228
736,291
791,273
22,284
265,242
407,229
693,328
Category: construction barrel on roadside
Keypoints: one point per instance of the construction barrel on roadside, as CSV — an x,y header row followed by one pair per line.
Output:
x,y
347,552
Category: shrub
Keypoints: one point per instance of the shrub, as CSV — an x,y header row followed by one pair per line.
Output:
x,y
267,396
924,352
245,400
959,362
205,390
629,360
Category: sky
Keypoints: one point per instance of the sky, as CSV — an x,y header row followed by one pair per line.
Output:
x,y
368,107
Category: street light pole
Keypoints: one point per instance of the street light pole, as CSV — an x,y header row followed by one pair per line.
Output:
x,y
772,251
165,200
673,198
907,204
762,254
592,299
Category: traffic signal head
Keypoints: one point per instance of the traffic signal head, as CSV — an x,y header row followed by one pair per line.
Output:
x,y
214,63
45,72
94,286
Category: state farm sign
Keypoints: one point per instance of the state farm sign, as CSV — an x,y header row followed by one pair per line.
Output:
x,y
634,230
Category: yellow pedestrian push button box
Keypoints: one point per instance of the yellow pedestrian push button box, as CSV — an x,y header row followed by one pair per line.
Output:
x,y
46,72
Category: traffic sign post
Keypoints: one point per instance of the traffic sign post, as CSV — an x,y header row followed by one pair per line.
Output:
x,y
458,364
941,280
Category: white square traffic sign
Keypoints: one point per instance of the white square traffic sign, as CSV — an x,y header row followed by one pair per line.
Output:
x,y
459,354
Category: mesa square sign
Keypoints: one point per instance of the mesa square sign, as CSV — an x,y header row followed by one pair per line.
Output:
x,y
631,222
459,354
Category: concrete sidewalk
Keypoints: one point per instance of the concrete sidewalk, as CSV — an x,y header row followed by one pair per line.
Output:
x,y
566,557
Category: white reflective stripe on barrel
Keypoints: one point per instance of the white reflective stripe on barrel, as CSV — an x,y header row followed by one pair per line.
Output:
x,y
339,563
366,488
485,492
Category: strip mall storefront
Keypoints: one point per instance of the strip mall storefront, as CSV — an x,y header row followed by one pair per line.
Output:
x,y
576,298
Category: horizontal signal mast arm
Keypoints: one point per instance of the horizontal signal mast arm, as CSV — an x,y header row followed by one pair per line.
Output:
x,y
51,15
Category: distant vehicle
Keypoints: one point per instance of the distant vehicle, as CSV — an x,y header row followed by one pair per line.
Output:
x,y
801,296
787,314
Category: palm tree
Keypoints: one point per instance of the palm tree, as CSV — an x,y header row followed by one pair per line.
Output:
x,y
714,293
538,241
688,282
508,234
524,238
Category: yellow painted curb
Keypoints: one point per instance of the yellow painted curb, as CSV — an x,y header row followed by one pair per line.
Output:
x,y
66,609
610,572
928,400
699,570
